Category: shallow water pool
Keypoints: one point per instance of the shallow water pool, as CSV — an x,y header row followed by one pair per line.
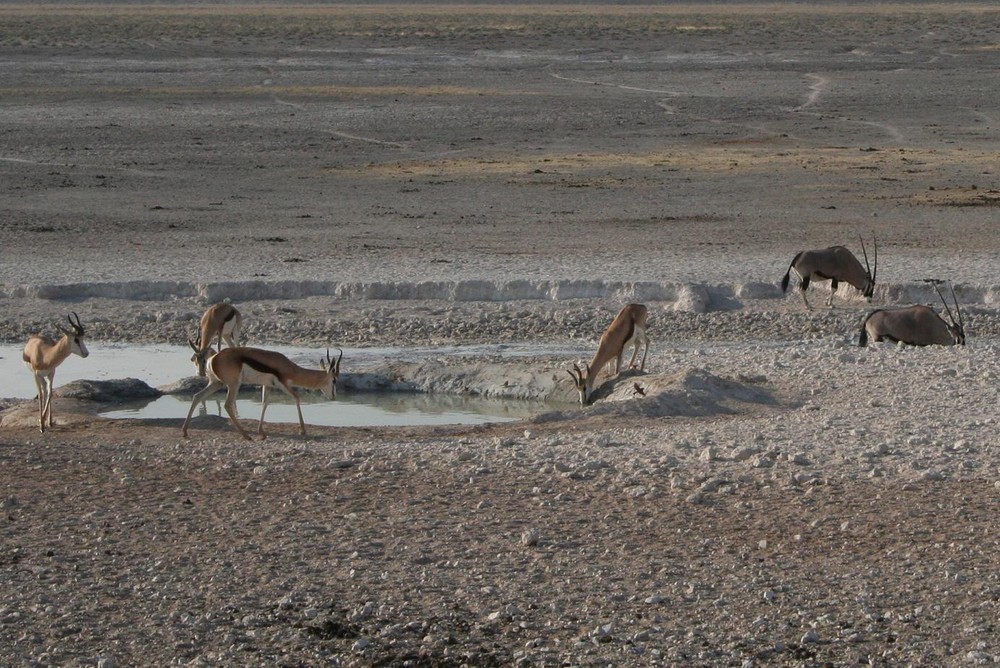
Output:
x,y
160,365
364,409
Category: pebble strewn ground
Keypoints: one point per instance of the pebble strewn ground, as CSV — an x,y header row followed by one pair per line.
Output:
x,y
843,513
766,494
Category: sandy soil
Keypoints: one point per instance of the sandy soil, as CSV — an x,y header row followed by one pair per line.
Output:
x,y
775,495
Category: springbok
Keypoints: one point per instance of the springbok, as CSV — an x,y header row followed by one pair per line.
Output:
x,y
234,366
222,321
628,328
43,355
835,264
917,325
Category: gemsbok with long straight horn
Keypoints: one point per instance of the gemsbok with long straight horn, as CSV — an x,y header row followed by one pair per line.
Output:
x,y
43,355
917,325
834,264
234,366
222,321
628,328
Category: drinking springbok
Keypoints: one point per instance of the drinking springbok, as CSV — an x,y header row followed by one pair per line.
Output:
x,y
628,328
835,264
234,366
916,325
222,321
43,355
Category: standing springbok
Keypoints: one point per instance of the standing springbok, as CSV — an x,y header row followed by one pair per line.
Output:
x,y
222,321
835,264
628,328
234,366
43,355
917,325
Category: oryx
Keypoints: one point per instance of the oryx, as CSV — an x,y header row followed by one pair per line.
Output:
x,y
835,264
916,325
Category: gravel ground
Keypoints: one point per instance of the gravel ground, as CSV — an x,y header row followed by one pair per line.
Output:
x,y
774,496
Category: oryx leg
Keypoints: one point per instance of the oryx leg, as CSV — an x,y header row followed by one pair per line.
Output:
x,y
803,286
833,291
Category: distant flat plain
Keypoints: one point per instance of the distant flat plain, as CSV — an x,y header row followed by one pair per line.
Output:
x,y
692,142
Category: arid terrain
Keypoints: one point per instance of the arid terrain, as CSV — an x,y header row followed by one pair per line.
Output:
x,y
765,493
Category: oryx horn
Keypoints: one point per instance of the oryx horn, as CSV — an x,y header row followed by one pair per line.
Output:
x,y
961,325
875,252
865,252
935,282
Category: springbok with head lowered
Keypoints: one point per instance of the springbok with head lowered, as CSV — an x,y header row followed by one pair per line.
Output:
x,y
234,366
835,264
917,325
628,328
222,321
43,355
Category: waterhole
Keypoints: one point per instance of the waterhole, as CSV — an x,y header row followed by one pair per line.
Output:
x,y
161,365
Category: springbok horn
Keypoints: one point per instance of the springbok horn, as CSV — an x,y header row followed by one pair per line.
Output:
x,y
77,326
330,364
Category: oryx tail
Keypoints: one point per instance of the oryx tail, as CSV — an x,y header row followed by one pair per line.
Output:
x,y
784,281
